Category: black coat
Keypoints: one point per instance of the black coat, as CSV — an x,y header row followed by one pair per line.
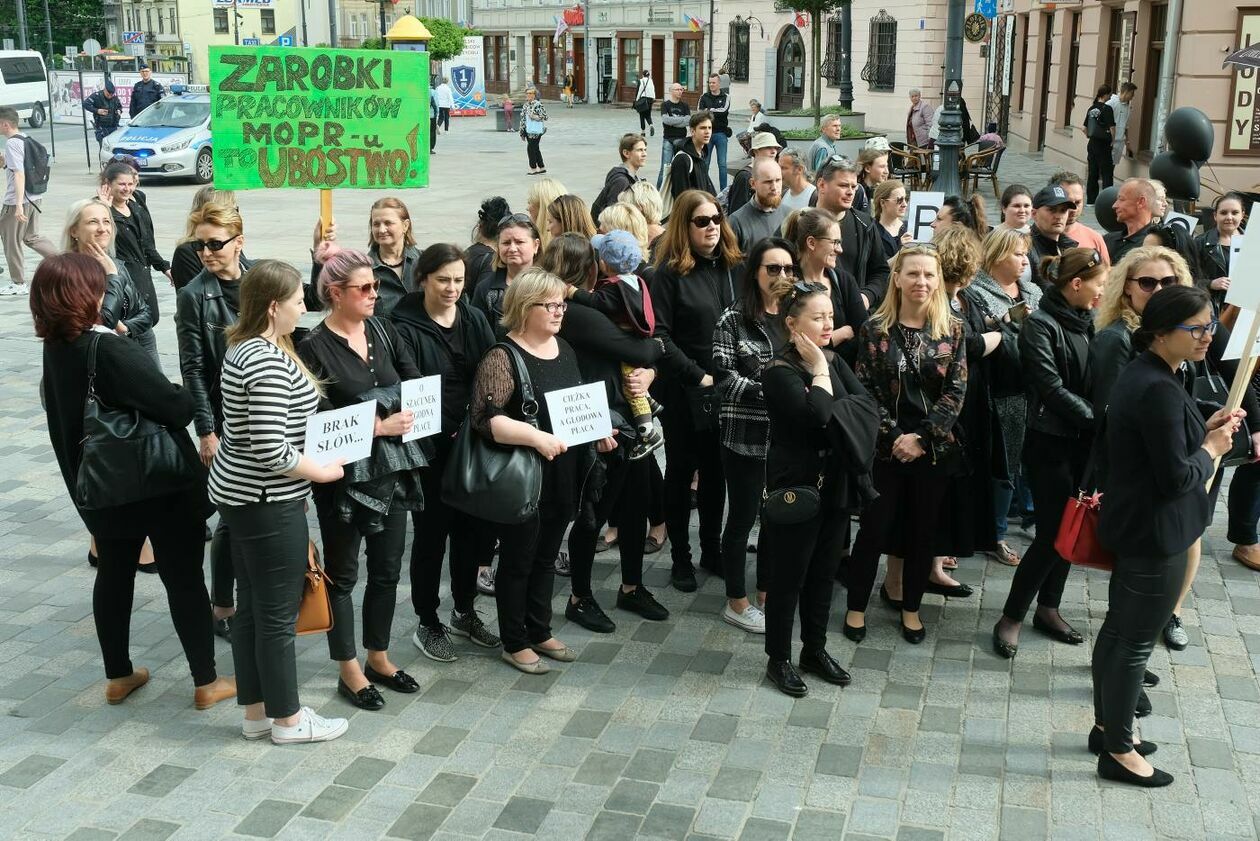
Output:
x,y
1155,497
112,104
687,310
866,262
1054,354
201,316
1211,261
616,182
123,302
688,172
491,290
144,94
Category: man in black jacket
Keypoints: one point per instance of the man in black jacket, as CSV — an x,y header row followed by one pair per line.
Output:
x,y
1050,215
106,111
633,151
675,116
1134,208
687,170
718,104
863,255
144,92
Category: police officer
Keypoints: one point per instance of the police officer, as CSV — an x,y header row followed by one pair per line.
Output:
x,y
145,92
105,109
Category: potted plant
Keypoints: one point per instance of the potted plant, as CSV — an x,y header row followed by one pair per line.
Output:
x,y
803,118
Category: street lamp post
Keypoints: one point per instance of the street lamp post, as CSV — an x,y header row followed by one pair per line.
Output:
x,y
951,136
846,56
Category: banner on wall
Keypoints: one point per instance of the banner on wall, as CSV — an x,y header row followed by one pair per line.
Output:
x,y
467,73
68,96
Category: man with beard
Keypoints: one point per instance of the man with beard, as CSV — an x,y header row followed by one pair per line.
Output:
x,y
863,254
1049,222
763,216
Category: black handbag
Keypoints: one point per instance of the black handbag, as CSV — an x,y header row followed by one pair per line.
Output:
x,y
501,484
789,506
126,457
1210,387
702,403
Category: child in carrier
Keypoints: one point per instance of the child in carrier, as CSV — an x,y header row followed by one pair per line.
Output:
x,y
625,299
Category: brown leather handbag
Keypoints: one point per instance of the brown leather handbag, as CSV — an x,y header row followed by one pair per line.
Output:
x,y
315,610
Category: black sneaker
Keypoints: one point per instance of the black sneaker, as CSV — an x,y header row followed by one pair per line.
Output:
x,y
683,579
642,602
647,444
587,613
470,625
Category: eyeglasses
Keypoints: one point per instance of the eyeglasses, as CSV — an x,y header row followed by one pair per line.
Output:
x,y
706,221
554,307
375,286
776,269
1198,331
835,243
215,245
1148,284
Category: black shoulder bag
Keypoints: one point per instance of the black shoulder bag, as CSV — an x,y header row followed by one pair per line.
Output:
x,y
126,456
1210,387
501,484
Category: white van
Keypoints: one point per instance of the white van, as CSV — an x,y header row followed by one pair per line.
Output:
x,y
24,85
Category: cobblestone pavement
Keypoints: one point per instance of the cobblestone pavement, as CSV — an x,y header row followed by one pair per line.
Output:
x,y
664,730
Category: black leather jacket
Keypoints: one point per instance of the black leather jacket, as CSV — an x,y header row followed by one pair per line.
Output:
x,y
1054,354
123,302
1043,246
201,316
868,263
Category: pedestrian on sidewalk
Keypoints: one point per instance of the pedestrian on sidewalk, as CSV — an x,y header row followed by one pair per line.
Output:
x,y
643,99
533,127
675,116
445,102
19,218
1100,130
718,104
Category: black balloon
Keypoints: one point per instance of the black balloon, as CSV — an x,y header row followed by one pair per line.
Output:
x,y
1104,209
1179,175
1189,133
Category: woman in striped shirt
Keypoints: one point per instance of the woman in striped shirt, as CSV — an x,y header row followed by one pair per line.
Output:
x,y
260,480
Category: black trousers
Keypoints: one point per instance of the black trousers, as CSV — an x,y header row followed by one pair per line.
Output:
x,y
269,541
745,481
525,577
1054,466
910,500
341,542
656,503
645,118
444,118
143,279
471,545
1141,597
1101,168
624,504
803,568
688,450
222,575
533,152
177,534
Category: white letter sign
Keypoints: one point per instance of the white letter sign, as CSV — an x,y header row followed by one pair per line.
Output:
x,y
1244,273
580,414
344,433
423,398
922,213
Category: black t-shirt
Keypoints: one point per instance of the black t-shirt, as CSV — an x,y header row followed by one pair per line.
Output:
x,y
1098,120
457,387
231,294
347,375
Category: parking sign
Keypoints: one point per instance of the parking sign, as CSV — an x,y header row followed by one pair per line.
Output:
x,y
988,8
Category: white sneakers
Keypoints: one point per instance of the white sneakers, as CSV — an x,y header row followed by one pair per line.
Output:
x,y
751,620
309,728
15,289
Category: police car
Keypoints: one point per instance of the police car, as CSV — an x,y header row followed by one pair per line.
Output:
x,y
170,138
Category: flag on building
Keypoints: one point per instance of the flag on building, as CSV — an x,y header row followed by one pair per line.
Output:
x,y
694,23
561,28
802,20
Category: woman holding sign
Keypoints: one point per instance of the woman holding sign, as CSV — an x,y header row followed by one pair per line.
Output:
x,y
533,311
1213,246
352,352
441,333
392,247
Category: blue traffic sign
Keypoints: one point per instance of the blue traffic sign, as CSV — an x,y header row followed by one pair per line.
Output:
x,y
988,8
285,41
251,42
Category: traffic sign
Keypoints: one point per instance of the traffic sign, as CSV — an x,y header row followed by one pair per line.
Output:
x,y
988,8
133,37
91,46
284,41
251,42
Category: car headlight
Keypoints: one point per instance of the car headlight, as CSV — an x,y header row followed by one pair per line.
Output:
x,y
175,147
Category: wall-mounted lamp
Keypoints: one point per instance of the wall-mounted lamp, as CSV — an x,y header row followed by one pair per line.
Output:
x,y
749,20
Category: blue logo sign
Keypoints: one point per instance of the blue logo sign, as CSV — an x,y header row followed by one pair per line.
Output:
x,y
464,78
251,42
285,41
988,8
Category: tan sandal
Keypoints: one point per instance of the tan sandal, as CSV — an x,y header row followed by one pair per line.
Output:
x,y
1005,555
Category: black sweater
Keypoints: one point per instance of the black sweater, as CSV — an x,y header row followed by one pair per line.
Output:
x,y
687,310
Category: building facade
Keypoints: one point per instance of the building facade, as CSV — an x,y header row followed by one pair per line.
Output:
x,y
626,38
896,45
1058,56
206,23
158,26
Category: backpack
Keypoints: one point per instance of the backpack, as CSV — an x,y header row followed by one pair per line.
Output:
x,y
667,194
1093,124
35,166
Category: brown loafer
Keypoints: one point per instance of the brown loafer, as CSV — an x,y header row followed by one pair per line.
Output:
x,y
1248,556
205,697
117,689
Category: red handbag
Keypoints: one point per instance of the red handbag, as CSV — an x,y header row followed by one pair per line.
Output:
x,y
1077,541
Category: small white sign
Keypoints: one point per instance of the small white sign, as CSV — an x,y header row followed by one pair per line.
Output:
x,y
580,414
344,433
922,213
1244,273
1235,245
1182,220
1238,337
423,398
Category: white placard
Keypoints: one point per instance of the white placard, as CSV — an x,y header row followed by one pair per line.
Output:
x,y
344,433
922,213
580,414
1238,336
1181,220
1244,273
423,398
1235,245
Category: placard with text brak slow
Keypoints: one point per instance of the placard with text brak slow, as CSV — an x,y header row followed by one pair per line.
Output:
x,y
319,119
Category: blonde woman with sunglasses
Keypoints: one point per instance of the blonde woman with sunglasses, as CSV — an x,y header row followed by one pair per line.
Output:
x,y
888,205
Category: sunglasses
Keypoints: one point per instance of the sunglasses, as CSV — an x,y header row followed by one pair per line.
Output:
x,y
1198,331
215,245
1148,284
706,221
515,219
776,269
375,286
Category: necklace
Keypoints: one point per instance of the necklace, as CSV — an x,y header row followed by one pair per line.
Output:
x,y
910,336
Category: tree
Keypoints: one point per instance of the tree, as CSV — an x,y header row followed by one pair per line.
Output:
x,y
448,38
817,10
73,22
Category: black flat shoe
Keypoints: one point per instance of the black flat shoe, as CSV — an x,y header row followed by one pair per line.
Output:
x,y
786,678
367,698
856,634
1143,708
895,604
912,636
683,579
1110,769
1066,634
399,681
587,613
1096,744
1150,679
824,665
93,560
958,591
1004,649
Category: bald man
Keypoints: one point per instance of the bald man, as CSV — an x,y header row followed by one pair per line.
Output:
x,y
763,215
1135,209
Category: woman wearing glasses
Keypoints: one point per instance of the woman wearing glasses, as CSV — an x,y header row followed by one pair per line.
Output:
x,y
816,234
823,427
1054,356
745,339
696,259
204,309
518,245
186,261
888,206
355,356
1160,457
392,247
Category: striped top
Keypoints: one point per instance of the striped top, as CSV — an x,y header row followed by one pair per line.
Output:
x,y
266,401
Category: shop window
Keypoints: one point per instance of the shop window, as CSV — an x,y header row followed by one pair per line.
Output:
x,y
220,21
688,64
268,20
631,62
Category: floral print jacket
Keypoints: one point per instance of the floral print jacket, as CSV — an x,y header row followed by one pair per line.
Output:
x,y
940,386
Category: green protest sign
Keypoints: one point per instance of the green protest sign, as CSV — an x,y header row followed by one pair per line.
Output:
x,y
318,118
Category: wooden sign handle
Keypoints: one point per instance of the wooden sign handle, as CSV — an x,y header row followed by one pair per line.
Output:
x,y
325,209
